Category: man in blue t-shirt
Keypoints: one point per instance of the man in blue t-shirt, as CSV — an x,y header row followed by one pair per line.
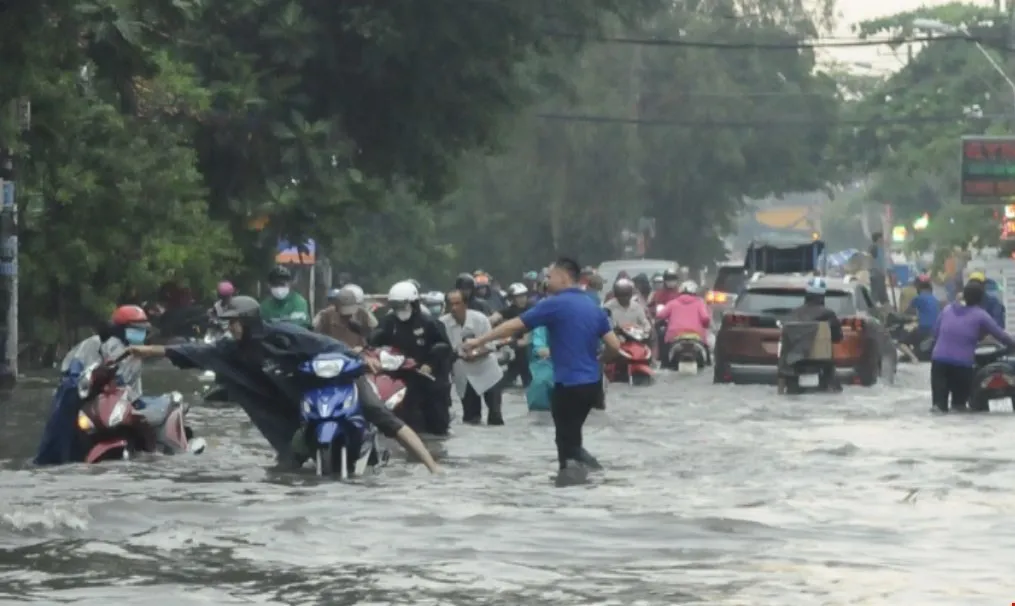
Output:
x,y
927,308
575,326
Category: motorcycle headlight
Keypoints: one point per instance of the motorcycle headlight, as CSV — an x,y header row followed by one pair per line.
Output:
x,y
118,413
306,406
395,399
84,423
328,369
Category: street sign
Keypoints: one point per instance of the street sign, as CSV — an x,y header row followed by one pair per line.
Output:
x,y
987,170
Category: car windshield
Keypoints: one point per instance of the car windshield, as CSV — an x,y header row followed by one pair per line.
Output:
x,y
729,279
777,301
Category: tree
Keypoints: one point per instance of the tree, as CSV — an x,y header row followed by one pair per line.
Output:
x,y
917,117
688,140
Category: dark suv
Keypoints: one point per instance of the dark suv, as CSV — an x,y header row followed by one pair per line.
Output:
x,y
747,343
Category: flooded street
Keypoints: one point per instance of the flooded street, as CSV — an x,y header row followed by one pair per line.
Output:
x,y
712,495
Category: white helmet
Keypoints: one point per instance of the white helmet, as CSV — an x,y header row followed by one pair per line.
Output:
x,y
517,289
356,290
403,292
689,287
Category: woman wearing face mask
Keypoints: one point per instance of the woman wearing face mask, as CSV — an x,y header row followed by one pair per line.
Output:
x,y
284,304
127,326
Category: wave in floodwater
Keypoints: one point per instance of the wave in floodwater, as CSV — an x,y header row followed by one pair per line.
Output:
x,y
712,495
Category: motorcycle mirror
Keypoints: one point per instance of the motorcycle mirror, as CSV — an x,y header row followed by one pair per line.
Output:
x,y
390,361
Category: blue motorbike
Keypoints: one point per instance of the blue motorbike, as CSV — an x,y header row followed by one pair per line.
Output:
x,y
344,443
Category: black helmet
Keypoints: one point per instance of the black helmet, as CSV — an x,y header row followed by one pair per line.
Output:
x,y
240,306
465,281
280,275
623,288
671,275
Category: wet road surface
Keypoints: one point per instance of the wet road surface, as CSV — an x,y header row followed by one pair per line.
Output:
x,y
712,495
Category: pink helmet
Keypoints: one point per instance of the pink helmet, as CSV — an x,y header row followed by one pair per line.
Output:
x,y
226,289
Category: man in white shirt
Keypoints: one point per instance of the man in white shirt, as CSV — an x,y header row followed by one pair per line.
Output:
x,y
475,372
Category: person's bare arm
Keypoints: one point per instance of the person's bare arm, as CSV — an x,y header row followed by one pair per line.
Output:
x,y
411,441
613,343
505,329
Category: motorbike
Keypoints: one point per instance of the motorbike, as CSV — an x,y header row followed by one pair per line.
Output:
x,y
113,426
900,327
344,444
505,354
389,382
637,367
994,378
686,354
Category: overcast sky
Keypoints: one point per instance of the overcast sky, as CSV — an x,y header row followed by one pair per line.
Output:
x,y
854,11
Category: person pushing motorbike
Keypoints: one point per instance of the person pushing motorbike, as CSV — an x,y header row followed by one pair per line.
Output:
x,y
127,326
254,366
518,303
285,304
813,310
346,321
670,289
422,337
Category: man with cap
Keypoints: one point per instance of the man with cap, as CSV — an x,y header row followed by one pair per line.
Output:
x,y
345,320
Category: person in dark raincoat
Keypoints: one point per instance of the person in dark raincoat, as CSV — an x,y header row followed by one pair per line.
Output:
x,y
252,368
814,310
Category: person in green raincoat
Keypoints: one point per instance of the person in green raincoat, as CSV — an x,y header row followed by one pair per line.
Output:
x,y
537,394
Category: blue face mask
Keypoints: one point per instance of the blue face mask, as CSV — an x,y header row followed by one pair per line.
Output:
x,y
135,336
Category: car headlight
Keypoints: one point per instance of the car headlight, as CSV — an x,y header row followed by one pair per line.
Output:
x,y
395,399
118,413
328,369
84,423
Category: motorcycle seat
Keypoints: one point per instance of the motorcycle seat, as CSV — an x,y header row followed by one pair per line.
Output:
x,y
154,409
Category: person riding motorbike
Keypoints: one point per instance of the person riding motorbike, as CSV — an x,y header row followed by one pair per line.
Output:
x,y
813,310
422,337
256,367
518,303
127,326
433,302
669,291
625,309
686,314
657,282
991,302
225,291
467,285
345,321
531,281
285,304
486,293
643,286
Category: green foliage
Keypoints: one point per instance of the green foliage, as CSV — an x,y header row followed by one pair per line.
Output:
x,y
915,163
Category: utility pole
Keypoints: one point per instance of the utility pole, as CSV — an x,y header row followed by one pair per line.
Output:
x,y
19,112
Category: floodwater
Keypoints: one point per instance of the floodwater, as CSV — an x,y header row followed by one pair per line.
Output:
x,y
712,495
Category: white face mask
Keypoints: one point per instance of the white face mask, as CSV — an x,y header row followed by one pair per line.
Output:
x,y
403,314
280,292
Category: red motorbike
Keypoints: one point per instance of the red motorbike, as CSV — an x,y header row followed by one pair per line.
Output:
x,y
390,383
636,369
114,426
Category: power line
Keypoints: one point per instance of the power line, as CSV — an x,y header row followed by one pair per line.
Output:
x,y
818,43
766,123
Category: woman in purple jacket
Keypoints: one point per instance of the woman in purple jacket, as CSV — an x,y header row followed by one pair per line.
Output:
x,y
957,333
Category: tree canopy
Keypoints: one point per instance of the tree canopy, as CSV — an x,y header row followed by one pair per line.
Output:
x,y
183,138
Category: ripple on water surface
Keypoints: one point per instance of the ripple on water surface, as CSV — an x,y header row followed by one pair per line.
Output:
x,y
712,495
